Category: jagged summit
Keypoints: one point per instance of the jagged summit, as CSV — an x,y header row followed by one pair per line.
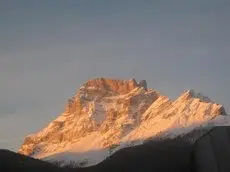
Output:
x,y
115,85
108,112
191,94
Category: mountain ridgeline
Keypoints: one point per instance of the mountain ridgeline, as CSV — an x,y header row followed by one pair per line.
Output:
x,y
106,115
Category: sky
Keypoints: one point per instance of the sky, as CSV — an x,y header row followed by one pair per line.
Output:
x,y
48,48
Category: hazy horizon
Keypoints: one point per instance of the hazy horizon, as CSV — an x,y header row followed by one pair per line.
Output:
x,y
49,48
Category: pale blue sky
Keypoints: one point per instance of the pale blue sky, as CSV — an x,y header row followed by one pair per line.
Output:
x,y
48,48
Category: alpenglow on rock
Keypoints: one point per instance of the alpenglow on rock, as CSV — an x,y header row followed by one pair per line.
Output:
x,y
108,114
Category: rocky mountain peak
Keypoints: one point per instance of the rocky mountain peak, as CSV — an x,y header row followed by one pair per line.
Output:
x,y
191,94
115,85
107,106
108,112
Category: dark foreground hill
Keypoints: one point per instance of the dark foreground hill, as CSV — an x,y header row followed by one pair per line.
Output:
x,y
211,153
12,162
162,156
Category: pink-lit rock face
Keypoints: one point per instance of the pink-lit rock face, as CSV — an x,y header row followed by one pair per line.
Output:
x,y
106,112
116,86
103,105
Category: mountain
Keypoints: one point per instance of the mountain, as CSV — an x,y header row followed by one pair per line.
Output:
x,y
106,115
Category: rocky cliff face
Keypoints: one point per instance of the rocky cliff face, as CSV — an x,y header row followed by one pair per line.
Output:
x,y
175,117
107,112
107,106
